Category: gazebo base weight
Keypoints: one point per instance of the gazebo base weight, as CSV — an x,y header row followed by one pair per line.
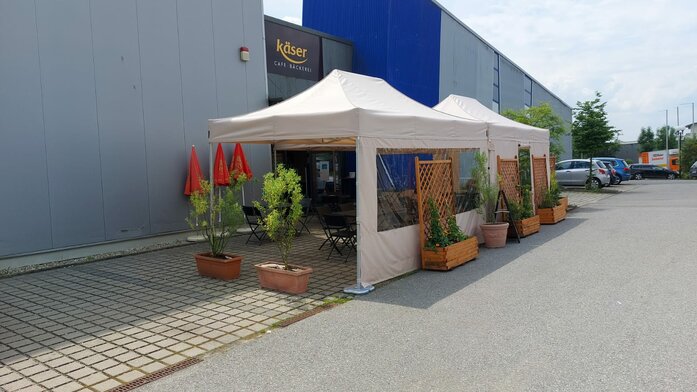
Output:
x,y
359,289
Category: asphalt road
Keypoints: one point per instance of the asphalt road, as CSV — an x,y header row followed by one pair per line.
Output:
x,y
605,300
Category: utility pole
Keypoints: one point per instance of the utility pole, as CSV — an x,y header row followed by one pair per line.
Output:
x,y
667,155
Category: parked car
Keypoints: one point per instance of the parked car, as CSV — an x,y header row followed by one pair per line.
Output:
x,y
575,172
641,171
614,178
620,166
693,170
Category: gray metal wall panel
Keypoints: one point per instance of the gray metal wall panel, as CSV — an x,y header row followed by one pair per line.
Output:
x,y
162,108
124,124
241,85
198,73
466,63
24,200
259,155
72,137
512,86
336,55
252,12
228,30
540,95
120,114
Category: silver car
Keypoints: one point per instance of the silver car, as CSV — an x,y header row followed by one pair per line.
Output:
x,y
575,172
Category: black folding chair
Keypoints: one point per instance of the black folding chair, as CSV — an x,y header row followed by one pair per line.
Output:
x,y
254,220
306,203
321,211
340,233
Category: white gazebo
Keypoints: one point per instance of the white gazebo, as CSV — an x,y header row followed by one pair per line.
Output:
x,y
505,136
352,111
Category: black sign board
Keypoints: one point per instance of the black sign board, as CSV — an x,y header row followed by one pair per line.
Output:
x,y
292,52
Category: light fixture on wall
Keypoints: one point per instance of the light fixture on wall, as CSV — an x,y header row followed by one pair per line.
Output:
x,y
244,53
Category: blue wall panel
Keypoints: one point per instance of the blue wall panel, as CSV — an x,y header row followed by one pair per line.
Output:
x,y
397,40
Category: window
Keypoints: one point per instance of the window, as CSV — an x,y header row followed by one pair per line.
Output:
x,y
527,91
563,165
396,183
496,104
581,165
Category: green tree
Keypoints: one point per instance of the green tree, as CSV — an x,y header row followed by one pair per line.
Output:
x,y
646,140
660,141
591,132
688,156
542,116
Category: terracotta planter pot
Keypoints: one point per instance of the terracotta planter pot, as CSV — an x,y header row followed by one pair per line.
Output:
x,y
494,234
292,282
444,259
526,226
550,216
225,269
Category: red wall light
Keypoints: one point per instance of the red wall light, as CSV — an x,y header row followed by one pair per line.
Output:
x,y
244,53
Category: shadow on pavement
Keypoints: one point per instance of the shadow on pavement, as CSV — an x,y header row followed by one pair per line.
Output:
x,y
425,288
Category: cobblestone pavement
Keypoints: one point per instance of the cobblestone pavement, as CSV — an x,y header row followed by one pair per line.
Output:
x,y
99,325
579,197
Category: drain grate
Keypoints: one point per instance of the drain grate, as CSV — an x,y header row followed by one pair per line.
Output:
x,y
138,382
303,316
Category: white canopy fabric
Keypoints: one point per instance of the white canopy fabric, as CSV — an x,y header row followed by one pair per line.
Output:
x,y
500,127
340,108
505,136
347,110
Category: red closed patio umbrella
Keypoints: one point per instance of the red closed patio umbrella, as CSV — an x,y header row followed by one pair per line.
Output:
x,y
240,166
239,163
194,177
221,175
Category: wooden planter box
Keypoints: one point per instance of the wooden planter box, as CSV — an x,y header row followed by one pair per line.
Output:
x,y
564,201
550,216
444,259
526,227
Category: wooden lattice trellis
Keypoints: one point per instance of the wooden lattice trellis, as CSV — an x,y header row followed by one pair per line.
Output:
x,y
552,165
539,168
509,178
434,179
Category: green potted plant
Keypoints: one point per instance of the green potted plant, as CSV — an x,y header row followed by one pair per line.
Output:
x,y
282,210
216,220
523,216
494,232
552,208
446,248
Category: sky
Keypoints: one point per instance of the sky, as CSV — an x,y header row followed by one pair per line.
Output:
x,y
640,55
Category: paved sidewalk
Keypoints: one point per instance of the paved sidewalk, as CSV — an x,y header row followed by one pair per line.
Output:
x,y
99,325
579,197
565,310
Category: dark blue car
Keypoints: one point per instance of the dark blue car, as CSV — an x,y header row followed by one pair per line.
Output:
x,y
620,166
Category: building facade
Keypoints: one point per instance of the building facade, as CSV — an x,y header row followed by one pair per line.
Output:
x,y
100,103
428,54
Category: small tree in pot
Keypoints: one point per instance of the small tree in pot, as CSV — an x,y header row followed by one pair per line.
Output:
x,y
282,194
216,220
493,231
